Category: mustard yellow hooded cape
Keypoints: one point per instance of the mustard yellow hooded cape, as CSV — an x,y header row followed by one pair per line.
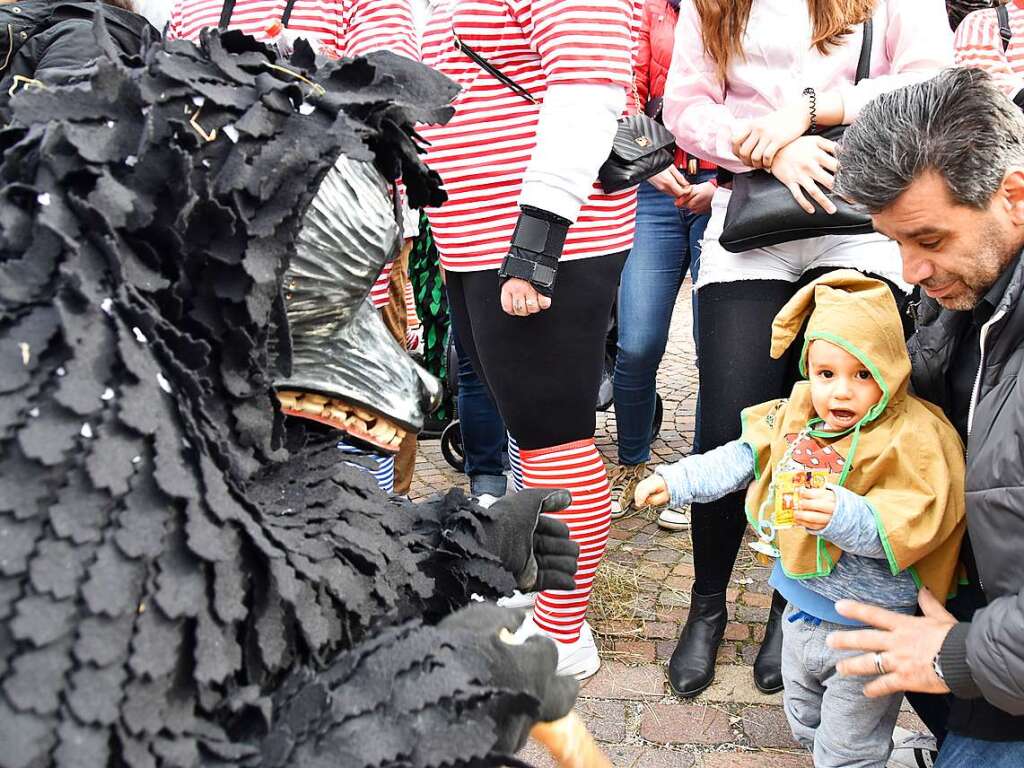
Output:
x,y
903,457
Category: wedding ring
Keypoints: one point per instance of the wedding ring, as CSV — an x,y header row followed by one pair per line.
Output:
x,y
879,666
531,303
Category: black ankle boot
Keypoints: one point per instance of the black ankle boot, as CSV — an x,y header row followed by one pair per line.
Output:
x,y
768,664
692,666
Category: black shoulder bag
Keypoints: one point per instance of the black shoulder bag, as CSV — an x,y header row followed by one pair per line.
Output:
x,y
762,211
642,146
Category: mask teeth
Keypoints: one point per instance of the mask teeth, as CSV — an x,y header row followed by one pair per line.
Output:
x,y
357,422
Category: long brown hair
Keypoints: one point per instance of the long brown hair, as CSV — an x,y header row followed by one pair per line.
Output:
x,y
723,22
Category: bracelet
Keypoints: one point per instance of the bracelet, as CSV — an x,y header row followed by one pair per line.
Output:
x,y
814,108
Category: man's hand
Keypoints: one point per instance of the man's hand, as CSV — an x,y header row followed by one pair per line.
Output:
x,y
816,507
520,299
651,492
906,644
698,200
757,141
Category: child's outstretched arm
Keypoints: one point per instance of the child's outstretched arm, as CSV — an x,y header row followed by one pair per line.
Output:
x,y
702,477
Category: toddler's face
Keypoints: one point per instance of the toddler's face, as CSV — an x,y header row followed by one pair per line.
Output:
x,y
842,389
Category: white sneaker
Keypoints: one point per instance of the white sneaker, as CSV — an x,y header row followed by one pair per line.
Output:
x,y
485,500
578,659
518,600
912,749
671,520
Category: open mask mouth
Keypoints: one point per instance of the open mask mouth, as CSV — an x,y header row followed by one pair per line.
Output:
x,y
366,426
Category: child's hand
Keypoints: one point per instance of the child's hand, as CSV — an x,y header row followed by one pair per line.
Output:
x,y
816,507
651,492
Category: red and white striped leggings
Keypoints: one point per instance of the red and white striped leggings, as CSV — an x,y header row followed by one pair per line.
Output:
x,y
577,467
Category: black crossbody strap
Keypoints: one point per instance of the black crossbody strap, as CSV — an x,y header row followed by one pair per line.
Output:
x,y
485,65
864,63
225,13
229,8
287,15
1004,26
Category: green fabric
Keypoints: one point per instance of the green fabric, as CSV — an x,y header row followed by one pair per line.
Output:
x,y
432,308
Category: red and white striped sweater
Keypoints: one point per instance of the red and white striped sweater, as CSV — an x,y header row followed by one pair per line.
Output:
x,y
978,45
483,152
336,28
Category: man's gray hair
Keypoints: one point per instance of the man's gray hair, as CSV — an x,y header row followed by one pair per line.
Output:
x,y
957,124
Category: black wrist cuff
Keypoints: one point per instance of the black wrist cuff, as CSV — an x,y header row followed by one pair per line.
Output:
x,y
1018,99
953,660
536,246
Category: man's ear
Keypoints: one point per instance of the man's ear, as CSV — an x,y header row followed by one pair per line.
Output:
x,y
1013,193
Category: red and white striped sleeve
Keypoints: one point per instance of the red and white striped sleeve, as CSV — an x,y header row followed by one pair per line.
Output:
x,y
375,25
978,45
590,42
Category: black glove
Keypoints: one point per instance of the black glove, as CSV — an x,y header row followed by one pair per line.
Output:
x,y
515,669
535,548
536,248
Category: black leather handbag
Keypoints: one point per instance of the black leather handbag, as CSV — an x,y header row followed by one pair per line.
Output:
x,y
762,211
642,147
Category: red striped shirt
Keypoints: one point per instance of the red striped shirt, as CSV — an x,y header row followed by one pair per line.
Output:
x,y
336,28
483,152
978,45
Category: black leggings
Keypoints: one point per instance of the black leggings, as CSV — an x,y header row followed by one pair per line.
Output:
x,y
544,370
736,371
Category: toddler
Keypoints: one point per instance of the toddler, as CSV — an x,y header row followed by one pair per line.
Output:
x,y
871,480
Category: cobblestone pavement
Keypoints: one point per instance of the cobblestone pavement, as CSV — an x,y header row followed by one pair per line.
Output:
x,y
639,607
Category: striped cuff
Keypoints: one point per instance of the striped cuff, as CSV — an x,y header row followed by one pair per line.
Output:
x,y
953,659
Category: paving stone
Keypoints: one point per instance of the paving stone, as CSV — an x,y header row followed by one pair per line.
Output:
x,y
756,760
735,684
633,651
616,680
679,723
662,630
606,720
767,727
734,631
756,600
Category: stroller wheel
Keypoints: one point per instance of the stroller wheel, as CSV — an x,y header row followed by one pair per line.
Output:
x,y
659,414
451,446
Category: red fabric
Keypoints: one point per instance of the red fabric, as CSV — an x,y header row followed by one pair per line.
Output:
x,y
577,467
654,54
653,57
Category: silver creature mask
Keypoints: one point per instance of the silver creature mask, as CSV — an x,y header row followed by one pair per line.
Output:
x,y
347,370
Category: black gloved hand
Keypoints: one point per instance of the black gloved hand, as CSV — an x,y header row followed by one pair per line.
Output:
x,y
536,247
528,668
535,548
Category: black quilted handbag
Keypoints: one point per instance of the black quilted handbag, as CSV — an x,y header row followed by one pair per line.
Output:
x,y
762,211
642,147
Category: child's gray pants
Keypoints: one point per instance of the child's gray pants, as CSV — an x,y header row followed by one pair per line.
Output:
x,y
829,714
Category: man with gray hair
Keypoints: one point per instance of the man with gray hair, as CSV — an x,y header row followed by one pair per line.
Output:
x,y
940,167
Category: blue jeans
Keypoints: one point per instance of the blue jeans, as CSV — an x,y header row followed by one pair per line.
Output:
x,y
484,439
960,751
666,244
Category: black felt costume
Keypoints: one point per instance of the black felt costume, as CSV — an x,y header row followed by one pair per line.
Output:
x,y
183,580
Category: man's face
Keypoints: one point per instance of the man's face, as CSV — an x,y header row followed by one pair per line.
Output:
x,y
954,252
